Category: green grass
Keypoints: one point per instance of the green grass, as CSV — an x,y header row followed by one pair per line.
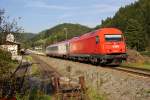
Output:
x,y
28,58
7,66
45,97
93,94
148,91
34,70
19,97
146,65
145,53
34,94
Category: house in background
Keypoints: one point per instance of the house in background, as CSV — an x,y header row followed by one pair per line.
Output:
x,y
11,45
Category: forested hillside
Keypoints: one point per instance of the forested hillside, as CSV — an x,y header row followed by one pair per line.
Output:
x,y
25,39
22,37
58,33
134,21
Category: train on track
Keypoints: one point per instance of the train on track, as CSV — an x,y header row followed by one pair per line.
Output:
x,y
102,46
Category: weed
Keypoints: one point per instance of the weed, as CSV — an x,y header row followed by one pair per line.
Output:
x,y
28,58
94,94
148,91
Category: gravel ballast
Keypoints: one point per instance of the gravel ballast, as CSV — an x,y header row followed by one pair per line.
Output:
x,y
115,85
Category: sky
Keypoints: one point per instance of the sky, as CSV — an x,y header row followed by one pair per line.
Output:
x,y
38,15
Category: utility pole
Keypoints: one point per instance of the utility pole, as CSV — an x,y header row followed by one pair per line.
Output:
x,y
56,38
66,33
45,41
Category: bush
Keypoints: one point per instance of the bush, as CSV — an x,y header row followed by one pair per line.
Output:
x,y
5,55
35,95
6,64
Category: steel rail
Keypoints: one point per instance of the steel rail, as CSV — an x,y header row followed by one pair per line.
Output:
x,y
133,70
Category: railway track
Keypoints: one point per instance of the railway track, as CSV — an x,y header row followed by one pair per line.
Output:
x,y
133,70
63,89
45,68
47,72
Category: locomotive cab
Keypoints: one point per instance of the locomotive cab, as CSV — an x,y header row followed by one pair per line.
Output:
x,y
114,43
113,47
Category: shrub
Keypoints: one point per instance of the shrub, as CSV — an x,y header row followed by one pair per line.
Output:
x,y
6,64
146,53
5,55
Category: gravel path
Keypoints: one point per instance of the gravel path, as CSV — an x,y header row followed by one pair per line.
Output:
x,y
115,85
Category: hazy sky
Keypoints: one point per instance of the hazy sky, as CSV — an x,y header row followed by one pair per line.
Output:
x,y
38,15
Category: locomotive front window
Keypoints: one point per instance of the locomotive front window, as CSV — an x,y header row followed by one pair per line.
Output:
x,y
110,38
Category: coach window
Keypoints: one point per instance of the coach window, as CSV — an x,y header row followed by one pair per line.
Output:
x,y
97,39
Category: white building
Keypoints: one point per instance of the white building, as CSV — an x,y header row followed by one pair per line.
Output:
x,y
10,45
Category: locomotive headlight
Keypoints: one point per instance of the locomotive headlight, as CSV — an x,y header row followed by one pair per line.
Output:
x,y
109,50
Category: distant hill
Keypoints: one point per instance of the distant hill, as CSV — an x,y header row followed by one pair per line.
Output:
x,y
58,33
28,35
22,37
134,21
25,39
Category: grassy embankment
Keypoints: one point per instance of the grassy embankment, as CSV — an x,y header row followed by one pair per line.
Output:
x,y
7,66
143,63
137,65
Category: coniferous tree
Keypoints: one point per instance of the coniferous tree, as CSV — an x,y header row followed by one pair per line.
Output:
x,y
135,35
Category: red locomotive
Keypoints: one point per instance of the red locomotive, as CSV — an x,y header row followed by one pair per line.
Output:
x,y
103,46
